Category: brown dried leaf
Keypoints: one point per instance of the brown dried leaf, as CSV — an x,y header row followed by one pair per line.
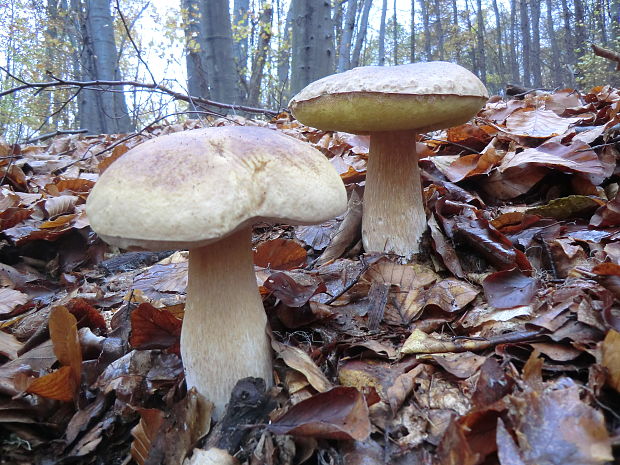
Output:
x,y
340,413
9,345
462,365
533,122
610,349
294,288
144,433
9,299
153,328
297,359
510,288
58,385
64,336
280,254
60,222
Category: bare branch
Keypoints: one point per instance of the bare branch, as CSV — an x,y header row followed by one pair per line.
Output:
x,y
606,53
100,84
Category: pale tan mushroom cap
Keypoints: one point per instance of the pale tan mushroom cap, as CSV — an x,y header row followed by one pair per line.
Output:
x,y
417,96
192,188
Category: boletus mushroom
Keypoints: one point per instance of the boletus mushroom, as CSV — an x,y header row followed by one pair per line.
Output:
x,y
202,190
392,105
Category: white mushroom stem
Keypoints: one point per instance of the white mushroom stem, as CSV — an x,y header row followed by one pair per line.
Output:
x,y
394,218
223,337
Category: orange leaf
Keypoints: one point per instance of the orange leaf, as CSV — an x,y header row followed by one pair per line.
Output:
x,y
58,385
152,328
280,254
64,336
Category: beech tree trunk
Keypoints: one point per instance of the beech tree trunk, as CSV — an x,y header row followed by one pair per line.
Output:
x,y
381,39
525,40
514,65
413,34
556,68
241,10
580,29
361,33
284,60
260,55
313,42
195,50
482,60
101,112
344,51
439,29
535,60
220,60
427,29
501,66
395,34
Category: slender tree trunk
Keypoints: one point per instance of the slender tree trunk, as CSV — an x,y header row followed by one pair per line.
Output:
x,y
472,50
535,60
456,28
514,65
427,29
382,34
614,13
195,50
260,55
439,29
569,43
313,42
580,29
599,18
240,34
344,53
480,44
220,60
101,112
526,41
284,59
556,70
412,39
395,34
501,66
361,34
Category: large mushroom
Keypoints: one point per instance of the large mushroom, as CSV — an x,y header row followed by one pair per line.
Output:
x,y
202,190
392,105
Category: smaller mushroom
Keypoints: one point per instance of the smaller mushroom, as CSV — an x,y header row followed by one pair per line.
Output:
x,y
202,190
392,104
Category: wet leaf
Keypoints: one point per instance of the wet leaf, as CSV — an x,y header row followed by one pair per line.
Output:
x,y
611,358
340,413
294,288
566,207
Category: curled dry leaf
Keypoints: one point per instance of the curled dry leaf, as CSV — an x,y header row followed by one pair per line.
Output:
x,y
340,413
144,433
294,288
280,254
611,358
60,205
297,359
64,336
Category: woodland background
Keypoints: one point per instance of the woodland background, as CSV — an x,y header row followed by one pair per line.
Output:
x,y
260,53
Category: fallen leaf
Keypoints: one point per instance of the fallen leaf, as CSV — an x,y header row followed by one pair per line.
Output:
x,y
340,413
534,122
58,385
64,336
610,350
9,299
280,254
509,288
153,328
297,359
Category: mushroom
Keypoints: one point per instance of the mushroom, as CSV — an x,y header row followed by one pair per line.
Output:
x,y
392,105
202,190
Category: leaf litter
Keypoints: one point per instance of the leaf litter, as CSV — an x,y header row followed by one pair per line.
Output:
x,y
499,346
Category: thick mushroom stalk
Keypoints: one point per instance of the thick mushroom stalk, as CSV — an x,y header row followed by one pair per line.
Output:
x,y
224,329
394,218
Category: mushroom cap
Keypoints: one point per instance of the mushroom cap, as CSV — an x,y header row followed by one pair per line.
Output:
x,y
416,96
191,188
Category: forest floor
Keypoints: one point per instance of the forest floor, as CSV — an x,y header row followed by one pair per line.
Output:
x,y
500,346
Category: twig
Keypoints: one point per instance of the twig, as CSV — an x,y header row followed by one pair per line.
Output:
x,y
60,132
58,82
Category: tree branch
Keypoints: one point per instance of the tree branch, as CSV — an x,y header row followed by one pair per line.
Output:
x,y
57,82
606,53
